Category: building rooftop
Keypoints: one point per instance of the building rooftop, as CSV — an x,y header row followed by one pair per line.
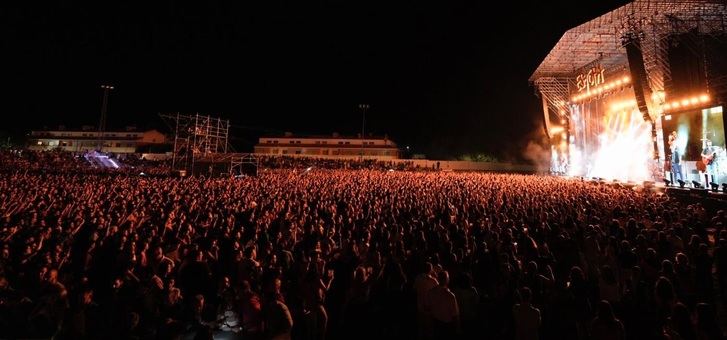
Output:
x,y
331,136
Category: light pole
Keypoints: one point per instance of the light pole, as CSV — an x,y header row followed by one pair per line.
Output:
x,y
104,105
363,108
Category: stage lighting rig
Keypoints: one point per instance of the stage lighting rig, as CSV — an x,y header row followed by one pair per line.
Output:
x,y
697,184
667,182
724,187
681,183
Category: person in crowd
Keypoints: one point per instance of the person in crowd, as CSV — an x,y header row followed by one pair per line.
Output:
x,y
527,318
605,326
442,308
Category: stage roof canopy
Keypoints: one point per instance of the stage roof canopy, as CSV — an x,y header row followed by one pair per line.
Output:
x,y
600,39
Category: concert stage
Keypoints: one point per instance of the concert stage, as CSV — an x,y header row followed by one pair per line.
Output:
x,y
639,99
711,200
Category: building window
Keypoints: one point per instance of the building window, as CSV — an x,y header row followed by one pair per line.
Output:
x,y
118,145
318,142
325,142
340,142
348,142
275,142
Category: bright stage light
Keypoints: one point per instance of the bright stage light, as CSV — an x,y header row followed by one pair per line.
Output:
x,y
685,102
667,117
675,105
116,166
618,82
667,106
624,148
626,79
704,98
694,100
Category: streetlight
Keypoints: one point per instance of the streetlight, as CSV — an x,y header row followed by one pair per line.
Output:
x,y
363,108
104,105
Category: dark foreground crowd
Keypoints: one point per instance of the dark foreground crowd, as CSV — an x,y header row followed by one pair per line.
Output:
x,y
354,254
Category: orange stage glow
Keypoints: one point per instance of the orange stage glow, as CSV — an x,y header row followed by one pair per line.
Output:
x,y
624,147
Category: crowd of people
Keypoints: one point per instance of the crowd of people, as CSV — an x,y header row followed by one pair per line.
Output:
x,y
293,162
353,254
57,161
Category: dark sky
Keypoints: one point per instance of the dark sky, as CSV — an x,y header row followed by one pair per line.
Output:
x,y
444,77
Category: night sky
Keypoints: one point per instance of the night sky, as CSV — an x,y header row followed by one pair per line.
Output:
x,y
444,77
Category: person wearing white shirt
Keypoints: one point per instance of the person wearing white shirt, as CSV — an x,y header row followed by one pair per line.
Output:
x,y
423,283
441,305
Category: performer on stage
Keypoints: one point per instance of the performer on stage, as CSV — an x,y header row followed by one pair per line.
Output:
x,y
675,158
709,153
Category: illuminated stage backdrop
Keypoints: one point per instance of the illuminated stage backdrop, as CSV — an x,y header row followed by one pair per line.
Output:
x,y
610,140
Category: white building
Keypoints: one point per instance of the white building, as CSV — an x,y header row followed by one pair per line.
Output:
x,y
120,142
333,146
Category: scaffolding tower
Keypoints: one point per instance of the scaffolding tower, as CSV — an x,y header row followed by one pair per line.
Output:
x,y
196,137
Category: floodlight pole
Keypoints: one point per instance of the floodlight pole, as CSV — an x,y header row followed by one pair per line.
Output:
x,y
102,122
363,108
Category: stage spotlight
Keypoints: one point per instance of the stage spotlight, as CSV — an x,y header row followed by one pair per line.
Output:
x,y
681,183
724,187
667,182
697,184
715,186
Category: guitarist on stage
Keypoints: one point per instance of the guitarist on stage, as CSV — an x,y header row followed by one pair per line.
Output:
x,y
709,152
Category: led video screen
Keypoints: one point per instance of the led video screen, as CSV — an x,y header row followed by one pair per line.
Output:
x,y
690,134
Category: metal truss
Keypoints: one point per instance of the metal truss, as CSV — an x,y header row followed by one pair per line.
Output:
x,y
238,162
600,39
196,138
555,91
